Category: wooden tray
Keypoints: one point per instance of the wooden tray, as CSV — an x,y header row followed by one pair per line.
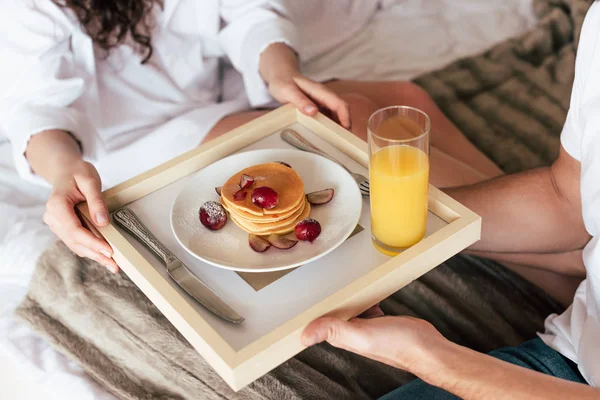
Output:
x,y
277,308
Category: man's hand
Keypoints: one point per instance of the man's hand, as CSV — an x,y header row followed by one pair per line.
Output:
x,y
416,346
402,342
279,69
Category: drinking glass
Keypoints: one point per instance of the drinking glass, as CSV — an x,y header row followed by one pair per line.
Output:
x,y
398,177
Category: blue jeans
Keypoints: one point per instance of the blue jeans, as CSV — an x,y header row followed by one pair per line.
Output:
x,y
534,354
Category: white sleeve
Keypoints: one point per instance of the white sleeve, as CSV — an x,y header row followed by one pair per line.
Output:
x,y
570,138
38,82
572,133
251,26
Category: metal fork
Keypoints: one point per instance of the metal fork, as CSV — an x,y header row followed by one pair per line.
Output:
x,y
295,139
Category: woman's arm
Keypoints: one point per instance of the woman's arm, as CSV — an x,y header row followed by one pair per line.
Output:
x,y
55,155
260,40
279,68
37,88
50,152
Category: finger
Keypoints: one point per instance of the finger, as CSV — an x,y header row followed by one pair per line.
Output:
x,y
372,312
325,96
295,96
60,215
338,333
62,219
91,241
83,251
91,188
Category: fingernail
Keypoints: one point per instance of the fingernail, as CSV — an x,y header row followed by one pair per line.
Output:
x,y
111,268
310,109
309,340
105,253
101,218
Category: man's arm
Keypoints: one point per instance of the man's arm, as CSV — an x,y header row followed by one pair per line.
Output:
x,y
472,375
537,211
416,346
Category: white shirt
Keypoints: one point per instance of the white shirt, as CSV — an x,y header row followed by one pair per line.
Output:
x,y
53,77
576,333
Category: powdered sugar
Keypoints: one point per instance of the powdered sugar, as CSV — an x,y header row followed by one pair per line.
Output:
x,y
214,211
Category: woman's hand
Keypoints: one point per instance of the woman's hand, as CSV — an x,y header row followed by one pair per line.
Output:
x,y
402,342
73,184
55,155
279,69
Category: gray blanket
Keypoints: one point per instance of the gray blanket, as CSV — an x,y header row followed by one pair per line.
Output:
x,y
510,101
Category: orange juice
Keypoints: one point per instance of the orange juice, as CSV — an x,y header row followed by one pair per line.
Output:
x,y
399,177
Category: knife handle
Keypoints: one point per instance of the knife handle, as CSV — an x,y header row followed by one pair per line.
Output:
x,y
132,224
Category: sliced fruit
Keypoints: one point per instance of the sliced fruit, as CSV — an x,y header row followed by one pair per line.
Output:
x,y
281,242
265,197
218,190
258,244
213,215
308,229
240,195
320,197
284,163
246,181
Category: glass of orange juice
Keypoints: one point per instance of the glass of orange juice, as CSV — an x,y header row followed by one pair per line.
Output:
x,y
398,177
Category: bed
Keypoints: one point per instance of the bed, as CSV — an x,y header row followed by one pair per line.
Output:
x,y
384,50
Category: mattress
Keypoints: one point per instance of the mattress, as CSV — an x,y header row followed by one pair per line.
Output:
x,y
404,39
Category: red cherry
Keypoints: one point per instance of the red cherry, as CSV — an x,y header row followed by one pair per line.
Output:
x,y
308,230
258,244
265,197
281,242
213,215
246,181
240,195
320,197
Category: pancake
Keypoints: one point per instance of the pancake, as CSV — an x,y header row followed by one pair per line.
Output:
x,y
267,221
279,229
263,218
284,180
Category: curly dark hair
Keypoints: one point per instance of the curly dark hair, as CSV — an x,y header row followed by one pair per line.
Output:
x,y
109,22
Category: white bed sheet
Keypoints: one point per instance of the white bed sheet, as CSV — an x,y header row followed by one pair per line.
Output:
x,y
405,39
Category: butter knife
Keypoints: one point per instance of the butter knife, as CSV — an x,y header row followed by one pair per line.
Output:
x,y
176,269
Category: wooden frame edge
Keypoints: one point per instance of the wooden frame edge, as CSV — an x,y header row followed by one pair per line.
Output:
x,y
366,290
151,283
239,368
190,161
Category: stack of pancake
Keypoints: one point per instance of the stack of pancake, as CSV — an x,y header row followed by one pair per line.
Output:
x,y
291,208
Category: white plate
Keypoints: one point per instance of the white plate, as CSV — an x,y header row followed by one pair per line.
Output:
x,y
229,249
